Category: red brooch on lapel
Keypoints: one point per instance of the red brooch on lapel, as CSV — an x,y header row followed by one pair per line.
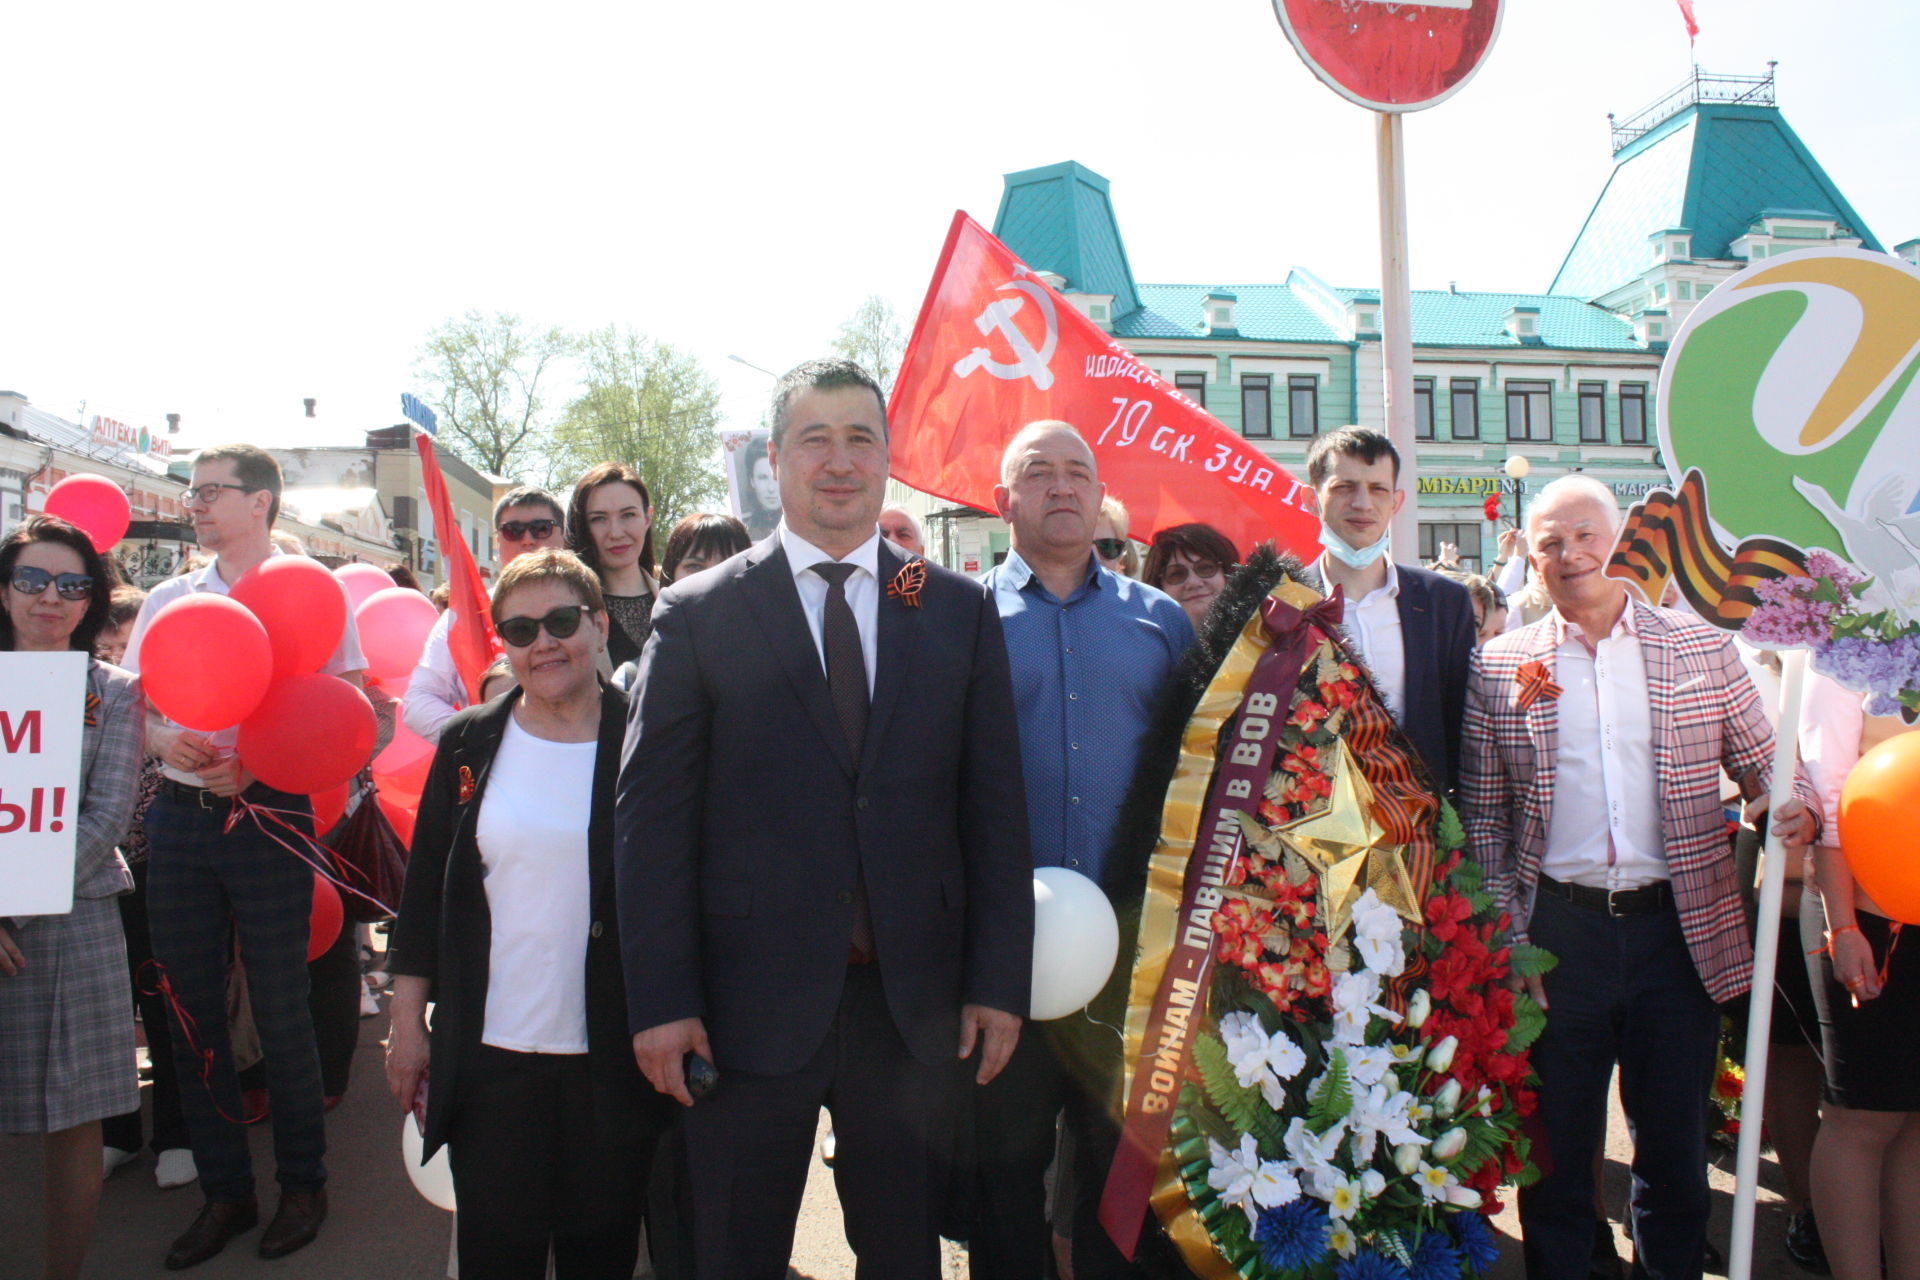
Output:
x,y
466,784
1535,682
906,584
93,711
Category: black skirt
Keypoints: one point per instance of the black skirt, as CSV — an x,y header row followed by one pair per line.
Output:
x,y
1869,1052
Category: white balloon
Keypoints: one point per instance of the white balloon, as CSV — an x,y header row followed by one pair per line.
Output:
x,y
434,1179
1075,942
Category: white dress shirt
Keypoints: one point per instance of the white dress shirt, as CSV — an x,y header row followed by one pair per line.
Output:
x,y
1605,829
863,592
434,690
346,654
1374,623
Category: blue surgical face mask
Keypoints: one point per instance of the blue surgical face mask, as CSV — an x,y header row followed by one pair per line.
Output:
x,y
1346,554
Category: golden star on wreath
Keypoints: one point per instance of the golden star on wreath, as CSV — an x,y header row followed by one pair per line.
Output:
x,y
1343,841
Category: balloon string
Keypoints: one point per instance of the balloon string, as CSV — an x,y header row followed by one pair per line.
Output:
x,y
158,984
266,818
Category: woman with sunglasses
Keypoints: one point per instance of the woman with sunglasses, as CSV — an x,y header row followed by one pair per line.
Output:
x,y
1190,562
66,1013
508,919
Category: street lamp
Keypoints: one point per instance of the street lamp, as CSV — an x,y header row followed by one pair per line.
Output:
x,y
1517,468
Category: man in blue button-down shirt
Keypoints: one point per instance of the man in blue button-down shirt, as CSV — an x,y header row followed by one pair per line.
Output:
x,y
1090,652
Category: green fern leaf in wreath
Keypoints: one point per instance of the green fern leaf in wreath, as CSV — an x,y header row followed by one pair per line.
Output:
x,y
1239,1105
1530,961
1448,834
1334,1098
1528,1023
1394,1246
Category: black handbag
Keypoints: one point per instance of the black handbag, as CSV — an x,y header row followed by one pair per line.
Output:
x,y
372,861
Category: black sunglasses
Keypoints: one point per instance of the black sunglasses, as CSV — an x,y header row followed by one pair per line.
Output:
x,y
560,623
29,581
518,530
1110,548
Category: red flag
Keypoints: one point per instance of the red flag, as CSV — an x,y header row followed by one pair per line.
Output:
x,y
470,636
1686,12
995,348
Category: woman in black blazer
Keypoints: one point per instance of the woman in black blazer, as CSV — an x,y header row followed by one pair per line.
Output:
x,y
508,925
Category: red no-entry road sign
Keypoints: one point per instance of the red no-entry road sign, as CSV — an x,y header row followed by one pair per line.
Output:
x,y
1390,56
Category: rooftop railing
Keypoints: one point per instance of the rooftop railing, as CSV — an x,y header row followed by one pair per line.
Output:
x,y
1701,86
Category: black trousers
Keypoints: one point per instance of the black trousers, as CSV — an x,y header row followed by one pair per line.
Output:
x,y
169,1125
1014,1131
1625,991
749,1146
334,985
531,1170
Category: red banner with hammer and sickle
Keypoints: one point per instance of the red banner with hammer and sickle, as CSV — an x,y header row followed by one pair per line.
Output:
x,y
995,348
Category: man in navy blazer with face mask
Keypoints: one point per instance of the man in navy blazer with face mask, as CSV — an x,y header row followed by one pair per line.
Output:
x,y
1413,628
822,862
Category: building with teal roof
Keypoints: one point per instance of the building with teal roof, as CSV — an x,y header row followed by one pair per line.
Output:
x,y
1705,180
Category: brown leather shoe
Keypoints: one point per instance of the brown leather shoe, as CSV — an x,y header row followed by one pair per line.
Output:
x,y
219,1222
295,1224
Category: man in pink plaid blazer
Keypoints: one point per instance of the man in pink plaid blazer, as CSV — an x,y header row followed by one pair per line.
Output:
x,y
1590,787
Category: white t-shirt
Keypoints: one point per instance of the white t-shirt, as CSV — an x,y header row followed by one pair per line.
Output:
x,y
532,833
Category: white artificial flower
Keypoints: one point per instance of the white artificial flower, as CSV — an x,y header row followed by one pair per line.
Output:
x,y
1368,1064
1447,1101
1372,1183
1233,1173
1440,1057
1274,1185
1436,1183
1463,1197
1356,1001
1419,1005
1340,1239
1314,1155
1376,935
1380,1113
1347,1199
1449,1144
1261,1059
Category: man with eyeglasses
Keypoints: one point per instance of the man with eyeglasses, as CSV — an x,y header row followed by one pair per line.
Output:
x,y
206,881
1413,627
1090,651
526,519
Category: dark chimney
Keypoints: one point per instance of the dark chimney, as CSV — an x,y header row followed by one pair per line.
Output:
x,y
173,424
309,402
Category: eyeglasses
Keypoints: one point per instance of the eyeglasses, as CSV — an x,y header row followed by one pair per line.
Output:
x,y
521,530
1110,548
1175,574
210,491
29,581
560,623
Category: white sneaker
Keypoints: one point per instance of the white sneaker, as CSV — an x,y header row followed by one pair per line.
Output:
x,y
176,1168
369,1004
112,1158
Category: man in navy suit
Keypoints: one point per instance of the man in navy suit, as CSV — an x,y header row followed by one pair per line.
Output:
x,y
822,856
1413,628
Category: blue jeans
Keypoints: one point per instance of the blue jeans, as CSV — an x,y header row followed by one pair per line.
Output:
x,y
202,885
1625,991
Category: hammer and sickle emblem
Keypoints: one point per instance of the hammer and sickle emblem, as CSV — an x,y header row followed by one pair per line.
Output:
x,y
998,317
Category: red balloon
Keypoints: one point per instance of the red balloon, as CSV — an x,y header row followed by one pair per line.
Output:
x,y
361,581
302,607
401,816
325,919
206,662
95,505
329,807
309,733
393,630
405,751
404,786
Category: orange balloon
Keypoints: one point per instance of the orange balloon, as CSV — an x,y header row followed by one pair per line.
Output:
x,y
1877,832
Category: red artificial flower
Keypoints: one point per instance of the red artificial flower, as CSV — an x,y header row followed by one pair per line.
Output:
x,y
1446,912
1308,715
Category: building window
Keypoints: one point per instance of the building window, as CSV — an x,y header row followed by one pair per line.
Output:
x,y
1633,413
1530,411
1193,386
1097,312
1423,408
1464,536
1683,291
1593,413
1466,408
1655,330
1369,322
1256,406
1524,325
1223,317
1303,406
1659,293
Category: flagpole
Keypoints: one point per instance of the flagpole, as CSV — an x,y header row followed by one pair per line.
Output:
x,y
1766,948
1396,327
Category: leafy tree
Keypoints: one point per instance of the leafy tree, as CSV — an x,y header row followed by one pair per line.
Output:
x,y
488,374
872,338
652,407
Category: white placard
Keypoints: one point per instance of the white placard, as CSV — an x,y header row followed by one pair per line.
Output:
x,y
42,716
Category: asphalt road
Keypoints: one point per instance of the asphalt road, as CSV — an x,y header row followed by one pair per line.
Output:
x,y
380,1229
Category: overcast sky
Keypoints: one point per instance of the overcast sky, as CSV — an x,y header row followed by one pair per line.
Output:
x,y
218,210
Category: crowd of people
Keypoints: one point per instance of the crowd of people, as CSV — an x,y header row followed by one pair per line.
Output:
x,y
748,830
